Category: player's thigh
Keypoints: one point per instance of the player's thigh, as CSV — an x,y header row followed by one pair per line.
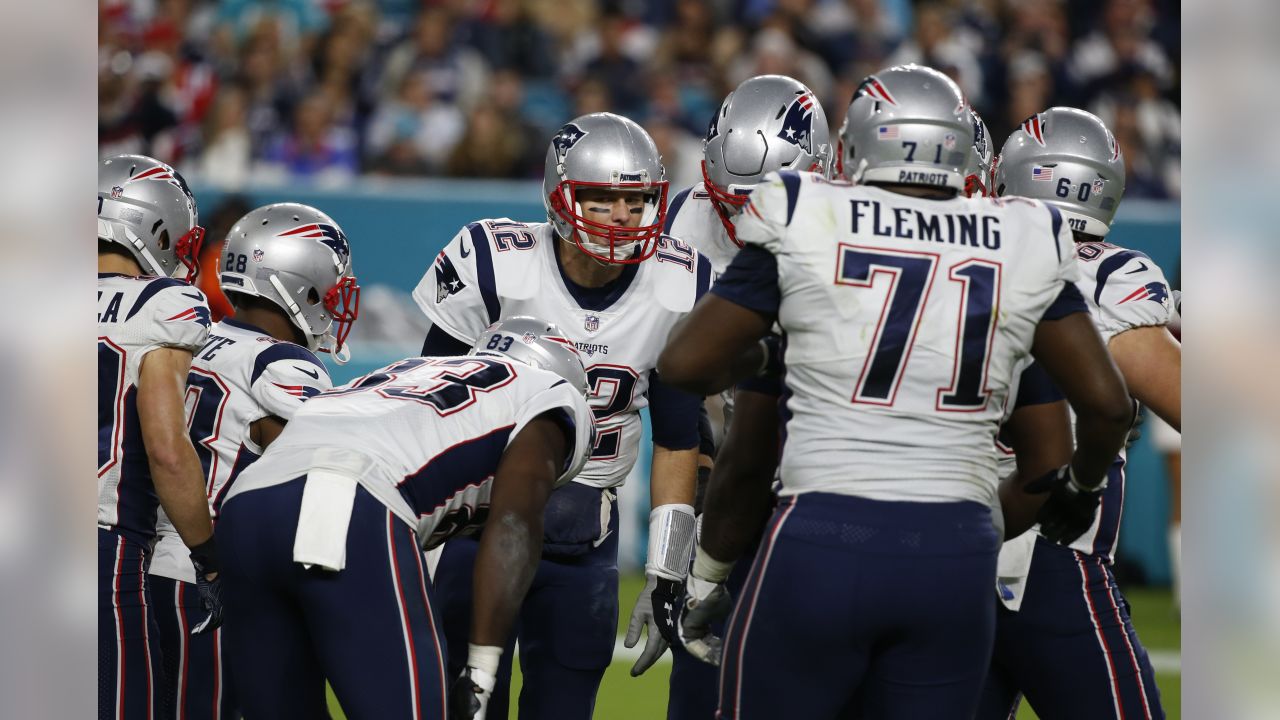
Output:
x,y
197,685
267,646
1075,648
792,647
373,623
130,660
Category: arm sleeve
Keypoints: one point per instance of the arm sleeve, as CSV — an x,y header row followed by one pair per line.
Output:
x,y
285,376
181,318
1131,292
673,414
457,292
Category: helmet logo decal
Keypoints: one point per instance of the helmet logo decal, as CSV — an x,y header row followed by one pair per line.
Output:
x,y
980,136
797,126
116,192
1156,292
565,139
949,141
1039,172
1098,186
325,233
529,338
872,88
714,128
447,280
1035,127
257,254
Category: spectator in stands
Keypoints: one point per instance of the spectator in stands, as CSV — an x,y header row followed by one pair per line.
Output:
x,y
611,65
508,36
1123,40
456,74
413,134
933,44
1158,123
228,148
315,150
854,30
491,146
508,99
271,90
773,51
1030,90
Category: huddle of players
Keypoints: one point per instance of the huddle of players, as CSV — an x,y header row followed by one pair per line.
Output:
x,y
547,340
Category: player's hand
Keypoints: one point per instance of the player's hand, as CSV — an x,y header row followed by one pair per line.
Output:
x,y
1071,507
1135,430
469,696
704,603
205,559
665,593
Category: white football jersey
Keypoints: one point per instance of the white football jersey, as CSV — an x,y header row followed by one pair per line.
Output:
x,y
429,434
693,219
496,269
240,376
135,316
905,321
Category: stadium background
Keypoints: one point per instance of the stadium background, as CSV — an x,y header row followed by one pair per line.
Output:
x,y
405,119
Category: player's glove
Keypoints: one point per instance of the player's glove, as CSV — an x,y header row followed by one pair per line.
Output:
x,y
1135,430
1070,509
205,559
664,594
704,603
469,696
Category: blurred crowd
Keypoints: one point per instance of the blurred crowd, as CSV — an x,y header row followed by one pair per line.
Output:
x,y
233,91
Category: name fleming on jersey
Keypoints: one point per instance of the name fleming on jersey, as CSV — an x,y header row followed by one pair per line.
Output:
x,y
969,229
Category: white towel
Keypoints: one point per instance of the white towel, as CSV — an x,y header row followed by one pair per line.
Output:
x,y
323,519
1013,567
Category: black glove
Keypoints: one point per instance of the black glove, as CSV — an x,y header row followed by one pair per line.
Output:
x,y
666,608
205,559
773,356
1071,507
469,699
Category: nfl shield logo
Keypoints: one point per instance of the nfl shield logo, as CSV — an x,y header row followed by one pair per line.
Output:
x,y
257,254
116,192
529,338
591,323
949,141
1098,186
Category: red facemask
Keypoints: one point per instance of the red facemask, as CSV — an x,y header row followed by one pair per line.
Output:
x,y
616,239
188,251
343,303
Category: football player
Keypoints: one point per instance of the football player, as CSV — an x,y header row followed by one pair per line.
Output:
x,y
325,577
768,123
1062,605
905,307
601,269
287,270
149,324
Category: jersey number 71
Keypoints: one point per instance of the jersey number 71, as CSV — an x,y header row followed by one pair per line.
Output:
x,y
910,276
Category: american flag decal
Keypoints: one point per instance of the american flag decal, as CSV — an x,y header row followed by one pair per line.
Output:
x,y
1041,173
1034,127
888,132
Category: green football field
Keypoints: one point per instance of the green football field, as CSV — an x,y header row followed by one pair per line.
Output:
x,y
623,697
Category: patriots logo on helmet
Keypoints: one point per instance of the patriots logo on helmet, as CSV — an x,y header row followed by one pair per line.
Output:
x,y
565,139
797,126
714,128
979,136
874,89
1036,127
328,234
447,280
1156,292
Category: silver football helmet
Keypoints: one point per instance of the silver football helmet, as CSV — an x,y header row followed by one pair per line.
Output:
x,y
146,206
533,342
603,150
297,258
768,123
980,178
1069,159
910,125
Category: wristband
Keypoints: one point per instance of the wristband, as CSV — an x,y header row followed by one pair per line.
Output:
x,y
1075,484
671,531
485,658
708,568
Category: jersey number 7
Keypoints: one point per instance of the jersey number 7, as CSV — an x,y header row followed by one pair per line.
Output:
x,y
910,276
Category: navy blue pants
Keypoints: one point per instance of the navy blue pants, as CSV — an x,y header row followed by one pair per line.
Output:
x,y
694,692
130,664
1071,649
862,608
567,627
370,629
195,672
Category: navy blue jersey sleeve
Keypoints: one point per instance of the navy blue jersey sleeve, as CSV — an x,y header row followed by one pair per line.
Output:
x,y
1068,301
751,281
673,413
441,344
1036,388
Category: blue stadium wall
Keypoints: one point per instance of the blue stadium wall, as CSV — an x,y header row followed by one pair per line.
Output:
x,y
397,228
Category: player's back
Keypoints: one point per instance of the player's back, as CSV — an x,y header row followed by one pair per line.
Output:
x,y
136,315
905,318
427,434
238,377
